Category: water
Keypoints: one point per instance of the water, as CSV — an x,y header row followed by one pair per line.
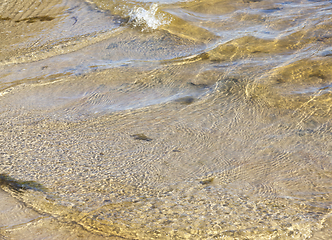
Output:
x,y
166,119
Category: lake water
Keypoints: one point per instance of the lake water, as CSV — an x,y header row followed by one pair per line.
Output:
x,y
170,119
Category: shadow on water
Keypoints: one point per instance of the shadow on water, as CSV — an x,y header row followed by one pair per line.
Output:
x,y
18,185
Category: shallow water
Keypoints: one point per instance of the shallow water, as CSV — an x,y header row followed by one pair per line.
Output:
x,y
166,119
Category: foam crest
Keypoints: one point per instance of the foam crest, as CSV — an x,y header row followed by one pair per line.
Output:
x,y
147,19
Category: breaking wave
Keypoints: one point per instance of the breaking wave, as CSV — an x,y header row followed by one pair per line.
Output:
x,y
147,19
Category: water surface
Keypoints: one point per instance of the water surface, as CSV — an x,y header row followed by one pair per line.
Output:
x,y
167,119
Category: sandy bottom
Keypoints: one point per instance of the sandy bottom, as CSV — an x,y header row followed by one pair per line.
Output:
x,y
18,221
174,133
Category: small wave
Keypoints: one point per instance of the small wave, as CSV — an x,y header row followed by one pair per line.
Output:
x,y
147,19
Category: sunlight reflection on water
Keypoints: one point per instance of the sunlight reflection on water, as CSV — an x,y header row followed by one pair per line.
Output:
x,y
167,119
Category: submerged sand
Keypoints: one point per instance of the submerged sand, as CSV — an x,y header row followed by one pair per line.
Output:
x,y
18,221
173,133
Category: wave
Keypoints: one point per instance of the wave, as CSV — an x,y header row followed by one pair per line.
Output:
x,y
147,19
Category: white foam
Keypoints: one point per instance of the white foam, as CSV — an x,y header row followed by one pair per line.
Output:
x,y
147,19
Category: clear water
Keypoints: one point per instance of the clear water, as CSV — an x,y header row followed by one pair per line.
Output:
x,y
167,119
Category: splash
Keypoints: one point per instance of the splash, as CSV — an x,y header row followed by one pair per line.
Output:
x,y
147,19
